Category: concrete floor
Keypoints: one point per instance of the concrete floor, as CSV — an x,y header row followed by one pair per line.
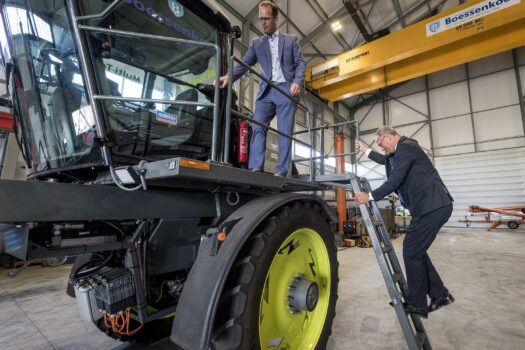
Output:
x,y
483,270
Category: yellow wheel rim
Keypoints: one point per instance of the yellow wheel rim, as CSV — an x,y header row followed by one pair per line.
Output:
x,y
304,254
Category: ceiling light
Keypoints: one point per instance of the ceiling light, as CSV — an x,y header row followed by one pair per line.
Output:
x,y
336,26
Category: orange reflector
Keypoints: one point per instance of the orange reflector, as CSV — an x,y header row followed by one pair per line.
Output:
x,y
221,236
194,164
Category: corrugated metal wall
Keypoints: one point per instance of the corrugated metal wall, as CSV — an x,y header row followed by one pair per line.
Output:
x,y
486,179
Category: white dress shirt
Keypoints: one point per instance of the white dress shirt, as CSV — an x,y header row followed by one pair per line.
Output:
x,y
277,72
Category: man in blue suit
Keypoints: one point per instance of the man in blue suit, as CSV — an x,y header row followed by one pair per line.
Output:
x,y
281,61
411,175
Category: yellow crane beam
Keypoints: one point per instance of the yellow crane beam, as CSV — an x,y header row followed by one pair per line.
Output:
x,y
468,32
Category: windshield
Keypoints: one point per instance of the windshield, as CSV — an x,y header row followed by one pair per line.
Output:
x,y
53,118
152,68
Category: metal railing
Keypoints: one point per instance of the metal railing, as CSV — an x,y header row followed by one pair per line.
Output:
x,y
90,81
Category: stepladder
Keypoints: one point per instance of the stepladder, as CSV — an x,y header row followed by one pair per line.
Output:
x,y
411,324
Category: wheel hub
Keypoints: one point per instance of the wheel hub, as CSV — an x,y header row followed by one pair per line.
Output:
x,y
302,295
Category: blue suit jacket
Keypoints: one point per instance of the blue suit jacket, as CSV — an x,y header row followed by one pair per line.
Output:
x,y
411,174
292,61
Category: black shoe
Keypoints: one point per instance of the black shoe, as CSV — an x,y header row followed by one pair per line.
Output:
x,y
440,302
421,312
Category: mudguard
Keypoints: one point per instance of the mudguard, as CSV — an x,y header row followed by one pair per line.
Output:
x,y
193,323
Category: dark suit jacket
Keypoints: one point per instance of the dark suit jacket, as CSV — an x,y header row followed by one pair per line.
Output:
x,y
292,61
410,173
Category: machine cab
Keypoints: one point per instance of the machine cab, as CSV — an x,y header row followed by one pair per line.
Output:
x,y
134,76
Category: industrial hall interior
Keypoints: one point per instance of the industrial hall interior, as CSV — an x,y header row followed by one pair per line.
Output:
x,y
262,174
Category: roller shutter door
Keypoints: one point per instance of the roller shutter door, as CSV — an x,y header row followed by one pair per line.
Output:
x,y
487,179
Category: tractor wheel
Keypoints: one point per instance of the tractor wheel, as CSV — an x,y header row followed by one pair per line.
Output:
x,y
282,290
513,225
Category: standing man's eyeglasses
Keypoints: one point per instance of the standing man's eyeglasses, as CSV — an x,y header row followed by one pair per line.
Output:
x,y
265,19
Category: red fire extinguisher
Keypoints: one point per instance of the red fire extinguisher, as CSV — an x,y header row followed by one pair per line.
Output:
x,y
242,147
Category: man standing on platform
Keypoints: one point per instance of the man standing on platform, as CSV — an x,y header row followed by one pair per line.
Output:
x,y
281,61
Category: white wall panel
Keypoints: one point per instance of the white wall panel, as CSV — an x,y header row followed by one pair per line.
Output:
x,y
452,131
498,123
370,169
491,64
369,140
409,87
416,15
453,150
495,90
497,145
253,35
450,100
448,76
408,109
423,138
373,120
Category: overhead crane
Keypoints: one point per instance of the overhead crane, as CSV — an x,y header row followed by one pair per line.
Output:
x,y
476,29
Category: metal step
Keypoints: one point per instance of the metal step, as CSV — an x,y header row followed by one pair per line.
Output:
x,y
420,339
396,277
387,249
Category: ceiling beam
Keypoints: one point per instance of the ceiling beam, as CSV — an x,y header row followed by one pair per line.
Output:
x,y
357,20
399,12
231,10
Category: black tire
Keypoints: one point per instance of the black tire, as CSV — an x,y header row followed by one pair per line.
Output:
x,y
513,225
238,319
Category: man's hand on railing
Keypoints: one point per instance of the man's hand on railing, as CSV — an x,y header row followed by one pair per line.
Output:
x,y
224,81
295,89
360,146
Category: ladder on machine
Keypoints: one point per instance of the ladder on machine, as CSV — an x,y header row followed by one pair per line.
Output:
x,y
414,332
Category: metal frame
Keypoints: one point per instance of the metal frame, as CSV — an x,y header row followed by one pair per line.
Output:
x,y
90,78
